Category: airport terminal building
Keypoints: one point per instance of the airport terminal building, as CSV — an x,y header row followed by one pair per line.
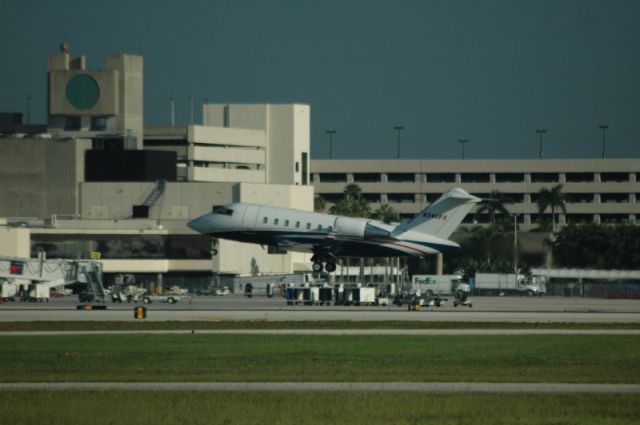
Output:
x,y
96,181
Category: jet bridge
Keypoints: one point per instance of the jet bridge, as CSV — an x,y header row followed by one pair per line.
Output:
x,y
40,275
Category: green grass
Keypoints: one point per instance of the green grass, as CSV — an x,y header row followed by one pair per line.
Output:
x,y
194,408
262,324
199,357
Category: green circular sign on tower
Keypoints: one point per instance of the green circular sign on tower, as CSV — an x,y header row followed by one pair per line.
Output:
x,y
83,91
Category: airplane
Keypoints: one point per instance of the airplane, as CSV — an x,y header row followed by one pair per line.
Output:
x,y
330,236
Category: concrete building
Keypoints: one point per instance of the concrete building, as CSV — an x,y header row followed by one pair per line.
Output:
x,y
258,143
105,105
597,190
96,180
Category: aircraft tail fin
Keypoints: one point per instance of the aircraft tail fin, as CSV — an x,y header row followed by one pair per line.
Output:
x,y
443,216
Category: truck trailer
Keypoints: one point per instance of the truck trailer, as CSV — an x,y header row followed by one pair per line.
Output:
x,y
508,284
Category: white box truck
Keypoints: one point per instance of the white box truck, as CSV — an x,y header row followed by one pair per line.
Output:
x,y
436,287
429,285
508,284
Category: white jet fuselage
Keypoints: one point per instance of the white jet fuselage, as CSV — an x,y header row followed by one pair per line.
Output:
x,y
339,236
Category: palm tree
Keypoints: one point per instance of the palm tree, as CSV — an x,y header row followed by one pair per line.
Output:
x,y
319,203
352,204
386,213
494,205
553,199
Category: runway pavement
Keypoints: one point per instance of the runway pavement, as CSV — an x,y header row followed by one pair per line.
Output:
x,y
236,307
423,387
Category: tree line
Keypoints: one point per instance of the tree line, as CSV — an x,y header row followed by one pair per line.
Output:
x,y
490,248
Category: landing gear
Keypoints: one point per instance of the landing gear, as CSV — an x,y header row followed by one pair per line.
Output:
x,y
323,257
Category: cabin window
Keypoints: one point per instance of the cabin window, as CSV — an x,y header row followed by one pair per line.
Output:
x,y
223,211
297,224
286,223
275,221
265,220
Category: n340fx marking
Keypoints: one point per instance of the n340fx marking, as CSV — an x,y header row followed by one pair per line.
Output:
x,y
329,236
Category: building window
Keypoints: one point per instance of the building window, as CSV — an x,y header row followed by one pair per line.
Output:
x,y
475,177
509,178
401,177
333,177
265,220
308,226
614,177
366,177
297,167
441,177
98,123
579,177
544,177
275,221
72,123
297,224
305,168
286,223
400,198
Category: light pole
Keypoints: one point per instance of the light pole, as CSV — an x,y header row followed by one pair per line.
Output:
x,y
28,109
398,128
604,132
462,143
191,107
515,245
331,133
172,111
540,133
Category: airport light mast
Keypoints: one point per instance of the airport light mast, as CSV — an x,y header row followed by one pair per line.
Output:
x,y
603,127
398,128
540,132
462,143
331,133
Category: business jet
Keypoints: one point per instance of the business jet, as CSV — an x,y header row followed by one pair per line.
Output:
x,y
329,236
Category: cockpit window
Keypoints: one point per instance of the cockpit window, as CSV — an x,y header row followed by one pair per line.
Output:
x,y
222,210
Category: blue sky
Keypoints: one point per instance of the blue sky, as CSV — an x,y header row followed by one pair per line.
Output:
x,y
488,71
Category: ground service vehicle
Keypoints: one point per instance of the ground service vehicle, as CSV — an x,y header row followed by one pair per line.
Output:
x,y
435,287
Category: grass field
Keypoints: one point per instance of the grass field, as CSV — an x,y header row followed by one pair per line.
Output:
x,y
319,324
186,357
194,408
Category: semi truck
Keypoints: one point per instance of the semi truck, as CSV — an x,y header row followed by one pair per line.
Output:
x,y
509,284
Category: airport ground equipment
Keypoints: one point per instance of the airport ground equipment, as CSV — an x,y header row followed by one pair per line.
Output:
x,y
37,276
507,284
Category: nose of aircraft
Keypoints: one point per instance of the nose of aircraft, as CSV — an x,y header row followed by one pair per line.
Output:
x,y
200,224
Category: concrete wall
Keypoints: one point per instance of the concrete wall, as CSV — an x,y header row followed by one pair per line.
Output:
x,y
39,177
15,242
180,201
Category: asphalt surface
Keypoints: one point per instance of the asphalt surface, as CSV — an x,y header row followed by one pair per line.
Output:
x,y
238,307
424,387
